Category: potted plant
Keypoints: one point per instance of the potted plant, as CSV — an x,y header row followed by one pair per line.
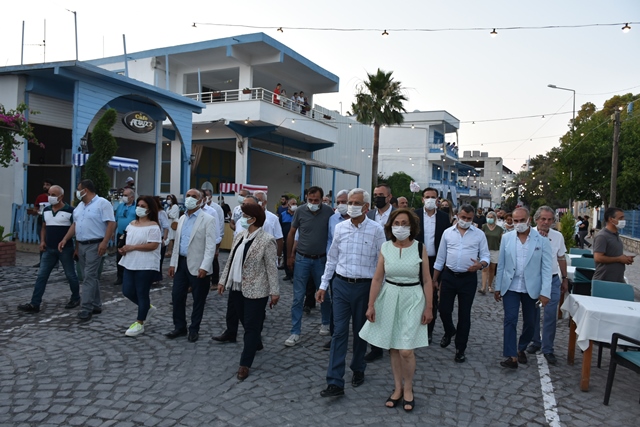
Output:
x,y
246,91
7,250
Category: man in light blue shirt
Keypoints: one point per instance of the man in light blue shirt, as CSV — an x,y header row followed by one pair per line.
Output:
x,y
463,251
93,226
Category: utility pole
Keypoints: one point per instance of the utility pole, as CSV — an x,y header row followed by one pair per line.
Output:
x,y
614,158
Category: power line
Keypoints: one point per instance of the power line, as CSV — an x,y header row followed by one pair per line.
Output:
x,y
608,93
515,118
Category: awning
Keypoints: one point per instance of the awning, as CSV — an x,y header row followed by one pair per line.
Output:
x,y
118,163
307,162
228,187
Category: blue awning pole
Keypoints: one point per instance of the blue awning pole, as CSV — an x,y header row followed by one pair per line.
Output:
x,y
333,189
303,179
199,87
126,65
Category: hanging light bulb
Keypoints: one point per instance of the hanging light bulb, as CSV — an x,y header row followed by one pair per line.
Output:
x,y
246,120
385,34
349,125
626,28
493,33
293,120
362,150
194,25
473,123
207,131
369,156
413,126
398,150
281,30
543,117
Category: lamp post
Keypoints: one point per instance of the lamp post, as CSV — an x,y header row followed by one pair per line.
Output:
x,y
573,131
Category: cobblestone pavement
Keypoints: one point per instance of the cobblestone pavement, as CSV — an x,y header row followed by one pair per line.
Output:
x,y
55,371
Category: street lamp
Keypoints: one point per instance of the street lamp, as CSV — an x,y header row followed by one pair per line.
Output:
x,y
573,130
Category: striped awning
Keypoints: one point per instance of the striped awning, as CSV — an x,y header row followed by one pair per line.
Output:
x,y
118,163
228,187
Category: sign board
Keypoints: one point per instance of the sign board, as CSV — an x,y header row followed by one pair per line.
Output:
x,y
138,122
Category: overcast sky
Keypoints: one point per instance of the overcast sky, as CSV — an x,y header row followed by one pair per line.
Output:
x,y
470,74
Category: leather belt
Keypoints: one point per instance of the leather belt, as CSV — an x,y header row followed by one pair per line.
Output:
x,y
401,284
555,275
461,274
312,256
89,242
350,280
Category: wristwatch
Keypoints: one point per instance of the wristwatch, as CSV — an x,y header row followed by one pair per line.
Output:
x,y
564,277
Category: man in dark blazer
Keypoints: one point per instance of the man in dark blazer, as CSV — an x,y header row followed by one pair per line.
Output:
x,y
437,221
383,208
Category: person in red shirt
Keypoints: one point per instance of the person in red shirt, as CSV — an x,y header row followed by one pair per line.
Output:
x,y
276,94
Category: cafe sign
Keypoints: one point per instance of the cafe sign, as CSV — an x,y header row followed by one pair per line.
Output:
x,y
138,122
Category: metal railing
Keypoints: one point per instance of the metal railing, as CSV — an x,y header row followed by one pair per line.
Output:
x,y
261,94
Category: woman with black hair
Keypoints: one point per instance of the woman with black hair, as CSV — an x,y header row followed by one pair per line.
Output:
x,y
141,260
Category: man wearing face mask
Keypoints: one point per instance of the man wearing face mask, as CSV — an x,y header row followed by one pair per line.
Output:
x,y
57,217
271,223
125,213
93,225
211,208
312,220
462,252
433,223
523,278
353,257
191,263
237,212
286,217
608,252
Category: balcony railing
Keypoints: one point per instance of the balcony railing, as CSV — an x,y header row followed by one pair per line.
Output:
x,y
260,94
437,148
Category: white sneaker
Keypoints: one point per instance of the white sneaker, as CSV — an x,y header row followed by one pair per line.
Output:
x,y
134,330
324,330
292,340
150,313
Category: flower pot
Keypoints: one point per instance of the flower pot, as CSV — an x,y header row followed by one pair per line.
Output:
x,y
246,91
7,254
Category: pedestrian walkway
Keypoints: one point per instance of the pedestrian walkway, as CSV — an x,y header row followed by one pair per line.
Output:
x,y
56,371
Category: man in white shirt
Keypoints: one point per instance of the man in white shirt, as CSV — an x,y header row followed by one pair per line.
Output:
x,y
353,257
237,212
545,218
523,277
212,208
463,251
271,222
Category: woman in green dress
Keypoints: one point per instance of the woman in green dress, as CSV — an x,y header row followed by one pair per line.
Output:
x,y
493,232
399,308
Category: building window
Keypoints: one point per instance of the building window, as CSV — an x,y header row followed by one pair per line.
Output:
x,y
438,138
165,168
436,173
215,166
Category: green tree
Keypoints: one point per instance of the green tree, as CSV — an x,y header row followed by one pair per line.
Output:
x,y
105,147
567,228
14,124
399,184
379,101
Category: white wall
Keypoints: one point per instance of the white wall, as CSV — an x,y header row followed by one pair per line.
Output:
x,y
412,158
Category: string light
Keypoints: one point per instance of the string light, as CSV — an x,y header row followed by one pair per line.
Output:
x,y
194,25
385,34
626,28
246,120
493,33
349,125
281,30
293,120
206,130
413,126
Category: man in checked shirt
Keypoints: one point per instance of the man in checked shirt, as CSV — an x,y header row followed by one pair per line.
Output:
x,y
353,257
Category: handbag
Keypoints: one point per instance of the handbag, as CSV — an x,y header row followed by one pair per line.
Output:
x,y
122,240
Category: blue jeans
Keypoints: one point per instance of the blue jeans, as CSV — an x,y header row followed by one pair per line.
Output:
x,y
511,302
48,260
550,319
136,285
350,302
305,268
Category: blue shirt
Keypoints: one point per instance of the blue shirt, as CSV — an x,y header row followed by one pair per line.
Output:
x,y
91,219
124,215
458,251
285,216
335,219
185,235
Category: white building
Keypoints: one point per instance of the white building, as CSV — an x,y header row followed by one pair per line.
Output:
x,y
493,177
419,148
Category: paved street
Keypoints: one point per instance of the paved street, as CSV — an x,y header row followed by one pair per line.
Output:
x,y
55,371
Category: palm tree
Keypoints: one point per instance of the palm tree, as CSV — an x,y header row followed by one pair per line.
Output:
x,y
379,102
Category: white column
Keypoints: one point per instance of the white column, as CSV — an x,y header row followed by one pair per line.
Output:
x,y
176,163
245,78
242,156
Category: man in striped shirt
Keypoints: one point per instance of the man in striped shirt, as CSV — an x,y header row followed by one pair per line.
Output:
x,y
353,257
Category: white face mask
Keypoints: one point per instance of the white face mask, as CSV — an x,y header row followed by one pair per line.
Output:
x,y
240,199
620,225
521,227
53,200
169,202
342,208
190,203
354,211
124,199
141,212
401,232
243,223
293,208
464,224
430,204
260,203
80,194
313,207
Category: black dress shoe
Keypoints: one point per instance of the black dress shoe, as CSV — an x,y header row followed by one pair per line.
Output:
x,y
84,315
260,347
357,379
175,334
193,337
509,363
332,391
224,337
29,308
460,357
373,355
522,357
73,303
445,341
551,358
117,282
533,349
327,346
96,310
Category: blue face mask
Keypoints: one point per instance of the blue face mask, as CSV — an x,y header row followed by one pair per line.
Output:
x,y
243,223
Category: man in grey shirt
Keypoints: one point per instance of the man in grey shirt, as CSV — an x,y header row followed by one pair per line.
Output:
x,y
608,251
312,222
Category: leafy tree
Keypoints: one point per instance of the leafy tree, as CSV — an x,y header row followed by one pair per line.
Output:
x,y
379,101
105,147
13,123
399,183
567,228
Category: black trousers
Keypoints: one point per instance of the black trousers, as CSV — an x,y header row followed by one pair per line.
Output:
x,y
432,324
182,280
463,287
215,275
286,226
251,313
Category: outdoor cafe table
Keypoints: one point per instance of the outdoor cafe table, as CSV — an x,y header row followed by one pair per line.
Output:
x,y
596,319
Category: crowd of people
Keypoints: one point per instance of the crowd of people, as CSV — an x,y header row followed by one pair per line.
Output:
x,y
385,269
298,101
